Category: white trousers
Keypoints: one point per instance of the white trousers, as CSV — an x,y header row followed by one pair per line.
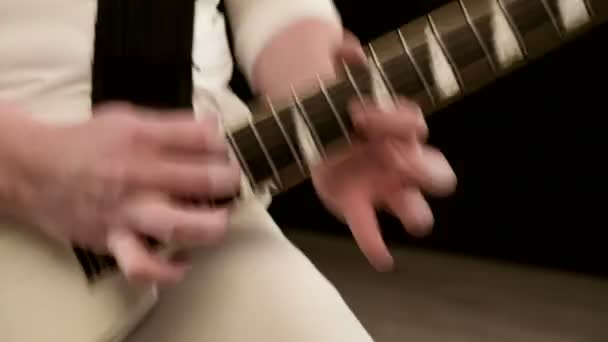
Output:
x,y
256,286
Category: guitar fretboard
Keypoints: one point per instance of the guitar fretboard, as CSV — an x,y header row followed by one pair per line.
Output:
x,y
435,60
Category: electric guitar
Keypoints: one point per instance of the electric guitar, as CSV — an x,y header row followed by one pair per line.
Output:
x,y
71,295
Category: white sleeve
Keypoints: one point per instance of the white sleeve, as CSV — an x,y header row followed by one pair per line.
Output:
x,y
254,22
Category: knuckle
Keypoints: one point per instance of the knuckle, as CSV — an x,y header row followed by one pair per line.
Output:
x,y
136,132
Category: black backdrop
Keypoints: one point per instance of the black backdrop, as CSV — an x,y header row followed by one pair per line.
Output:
x,y
528,151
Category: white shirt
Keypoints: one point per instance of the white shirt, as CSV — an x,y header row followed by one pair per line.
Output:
x,y
46,50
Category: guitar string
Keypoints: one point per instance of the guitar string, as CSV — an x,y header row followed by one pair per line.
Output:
x,y
511,21
333,110
446,52
478,37
299,108
417,68
553,18
288,140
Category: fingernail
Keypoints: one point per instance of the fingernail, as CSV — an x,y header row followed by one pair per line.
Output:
x,y
385,265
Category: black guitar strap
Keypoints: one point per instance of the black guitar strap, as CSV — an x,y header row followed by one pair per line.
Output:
x,y
143,52
143,55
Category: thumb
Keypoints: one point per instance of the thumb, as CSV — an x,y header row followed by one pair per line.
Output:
x,y
138,264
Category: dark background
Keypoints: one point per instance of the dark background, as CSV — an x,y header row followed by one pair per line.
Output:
x,y
528,150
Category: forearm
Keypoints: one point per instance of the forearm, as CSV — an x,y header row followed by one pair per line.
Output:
x,y
280,42
296,40
295,56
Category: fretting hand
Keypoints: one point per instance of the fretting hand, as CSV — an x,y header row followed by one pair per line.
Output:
x,y
390,166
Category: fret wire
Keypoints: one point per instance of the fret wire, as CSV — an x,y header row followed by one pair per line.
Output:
x,y
337,115
271,163
477,35
286,136
409,54
553,19
514,29
446,52
351,79
380,68
300,109
239,155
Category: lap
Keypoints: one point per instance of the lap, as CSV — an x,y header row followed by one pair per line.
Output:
x,y
255,286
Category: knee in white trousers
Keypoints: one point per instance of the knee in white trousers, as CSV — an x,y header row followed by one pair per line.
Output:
x,y
253,287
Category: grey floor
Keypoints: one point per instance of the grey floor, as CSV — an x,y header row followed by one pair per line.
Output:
x,y
436,297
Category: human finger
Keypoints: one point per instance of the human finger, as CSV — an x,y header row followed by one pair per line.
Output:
x,y
360,216
185,133
430,170
206,180
166,220
138,263
412,210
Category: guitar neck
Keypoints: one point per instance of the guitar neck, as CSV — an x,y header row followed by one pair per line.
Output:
x,y
435,60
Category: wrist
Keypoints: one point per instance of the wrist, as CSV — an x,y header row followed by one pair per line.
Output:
x,y
256,23
20,141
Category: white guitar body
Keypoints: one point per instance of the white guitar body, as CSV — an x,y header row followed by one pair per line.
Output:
x,y
46,297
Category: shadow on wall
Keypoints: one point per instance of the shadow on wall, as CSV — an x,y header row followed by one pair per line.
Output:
x,y
528,150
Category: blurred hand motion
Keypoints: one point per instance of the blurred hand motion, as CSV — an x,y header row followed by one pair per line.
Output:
x,y
121,174
388,167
